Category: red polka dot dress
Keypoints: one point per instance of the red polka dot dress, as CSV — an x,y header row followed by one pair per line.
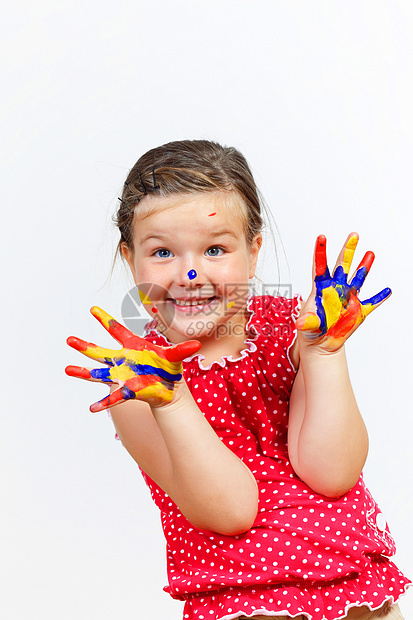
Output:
x,y
306,553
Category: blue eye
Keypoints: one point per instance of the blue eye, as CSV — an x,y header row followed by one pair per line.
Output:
x,y
163,253
215,250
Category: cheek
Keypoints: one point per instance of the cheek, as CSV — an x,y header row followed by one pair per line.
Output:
x,y
236,295
234,277
146,273
142,271
151,293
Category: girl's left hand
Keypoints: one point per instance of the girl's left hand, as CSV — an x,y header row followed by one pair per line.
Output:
x,y
333,311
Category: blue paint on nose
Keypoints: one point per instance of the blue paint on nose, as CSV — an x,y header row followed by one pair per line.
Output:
x,y
191,274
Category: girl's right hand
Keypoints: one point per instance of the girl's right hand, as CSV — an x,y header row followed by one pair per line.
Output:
x,y
334,311
143,370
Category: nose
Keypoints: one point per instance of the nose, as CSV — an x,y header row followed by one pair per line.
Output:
x,y
191,274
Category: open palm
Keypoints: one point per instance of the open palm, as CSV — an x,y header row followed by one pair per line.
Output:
x,y
333,311
143,370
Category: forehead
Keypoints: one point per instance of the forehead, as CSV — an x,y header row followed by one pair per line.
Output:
x,y
190,216
217,205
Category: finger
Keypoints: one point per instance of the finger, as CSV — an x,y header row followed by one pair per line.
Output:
x,y
78,371
362,271
92,350
308,323
371,304
90,374
116,329
345,259
144,387
320,257
116,397
182,350
349,249
102,374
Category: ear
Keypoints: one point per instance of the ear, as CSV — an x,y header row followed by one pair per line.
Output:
x,y
128,255
254,251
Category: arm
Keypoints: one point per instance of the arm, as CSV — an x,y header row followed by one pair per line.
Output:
x,y
176,446
327,438
328,441
165,432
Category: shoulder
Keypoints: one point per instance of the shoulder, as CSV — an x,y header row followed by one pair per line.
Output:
x,y
274,310
273,322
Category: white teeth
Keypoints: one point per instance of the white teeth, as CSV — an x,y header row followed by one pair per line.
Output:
x,y
201,302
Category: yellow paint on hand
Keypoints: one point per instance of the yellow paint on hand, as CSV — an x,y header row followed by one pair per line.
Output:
x,y
122,372
103,316
332,306
311,323
158,391
366,309
349,253
151,358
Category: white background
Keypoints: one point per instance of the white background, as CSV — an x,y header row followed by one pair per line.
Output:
x,y
318,96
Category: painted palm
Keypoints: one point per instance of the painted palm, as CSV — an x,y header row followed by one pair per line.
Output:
x,y
143,371
333,311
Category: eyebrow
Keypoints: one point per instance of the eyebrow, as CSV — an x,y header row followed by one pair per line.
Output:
x,y
209,235
221,233
159,237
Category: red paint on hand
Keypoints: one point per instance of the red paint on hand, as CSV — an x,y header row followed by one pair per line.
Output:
x,y
77,343
320,255
137,384
366,261
76,371
182,350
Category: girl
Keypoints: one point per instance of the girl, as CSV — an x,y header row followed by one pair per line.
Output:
x,y
249,437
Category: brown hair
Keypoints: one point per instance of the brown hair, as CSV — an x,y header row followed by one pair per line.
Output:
x,y
186,167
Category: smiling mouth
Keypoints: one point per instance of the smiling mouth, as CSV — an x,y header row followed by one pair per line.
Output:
x,y
192,303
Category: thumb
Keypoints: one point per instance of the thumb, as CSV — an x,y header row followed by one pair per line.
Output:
x,y
180,351
308,322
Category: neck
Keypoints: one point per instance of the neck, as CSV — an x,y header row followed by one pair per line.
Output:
x,y
227,338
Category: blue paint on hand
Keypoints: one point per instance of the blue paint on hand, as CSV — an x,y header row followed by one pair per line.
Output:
x,y
101,374
127,393
358,280
377,299
145,369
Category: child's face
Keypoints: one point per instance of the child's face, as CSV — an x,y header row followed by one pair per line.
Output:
x,y
193,247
